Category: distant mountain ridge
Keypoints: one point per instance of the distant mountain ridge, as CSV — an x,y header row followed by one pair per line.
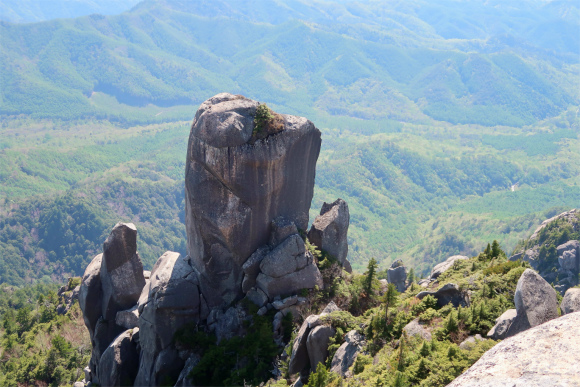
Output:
x,y
30,11
490,70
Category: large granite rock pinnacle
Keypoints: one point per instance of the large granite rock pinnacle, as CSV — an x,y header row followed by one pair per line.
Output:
x,y
237,182
329,231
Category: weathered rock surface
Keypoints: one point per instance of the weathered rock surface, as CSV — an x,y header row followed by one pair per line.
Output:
x,y
448,294
397,274
300,360
128,319
121,270
571,301
544,356
346,354
417,328
329,231
568,256
444,266
91,294
235,187
170,300
119,363
502,324
536,302
317,344
570,216
287,269
184,380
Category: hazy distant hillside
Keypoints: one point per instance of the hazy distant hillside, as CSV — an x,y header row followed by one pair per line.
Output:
x,y
27,11
462,62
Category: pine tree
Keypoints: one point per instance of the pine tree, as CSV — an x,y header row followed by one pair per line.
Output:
x,y
370,277
391,297
495,249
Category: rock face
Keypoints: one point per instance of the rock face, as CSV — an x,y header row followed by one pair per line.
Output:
x,y
543,356
112,283
448,294
346,354
444,266
235,187
329,231
397,274
571,301
536,302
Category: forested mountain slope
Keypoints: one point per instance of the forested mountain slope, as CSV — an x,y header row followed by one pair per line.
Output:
x,y
416,59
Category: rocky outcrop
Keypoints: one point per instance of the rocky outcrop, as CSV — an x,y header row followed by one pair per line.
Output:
x,y
317,344
571,301
67,295
111,283
329,231
536,302
502,324
444,266
544,356
237,183
448,294
346,354
397,274
569,216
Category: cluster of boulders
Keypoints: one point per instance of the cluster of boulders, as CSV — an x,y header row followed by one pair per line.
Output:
x,y
247,198
67,295
536,302
311,347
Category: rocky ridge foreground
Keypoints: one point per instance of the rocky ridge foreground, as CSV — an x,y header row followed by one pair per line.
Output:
x,y
248,191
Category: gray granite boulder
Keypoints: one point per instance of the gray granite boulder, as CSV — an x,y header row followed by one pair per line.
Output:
x,y
444,266
329,231
470,342
397,274
235,185
569,257
128,319
346,354
536,302
119,363
544,356
448,294
121,270
571,301
300,359
317,344
417,328
502,324
251,268
171,300
287,269
184,380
